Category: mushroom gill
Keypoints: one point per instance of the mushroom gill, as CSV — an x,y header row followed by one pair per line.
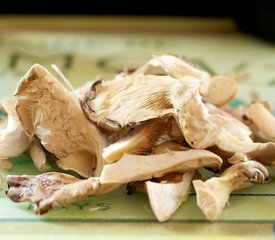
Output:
x,y
128,101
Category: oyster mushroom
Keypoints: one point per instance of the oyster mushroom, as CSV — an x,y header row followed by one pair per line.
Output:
x,y
39,158
128,101
175,67
170,146
213,194
263,119
138,167
219,129
50,190
221,90
166,194
139,141
53,189
51,114
235,125
200,128
173,129
165,197
13,139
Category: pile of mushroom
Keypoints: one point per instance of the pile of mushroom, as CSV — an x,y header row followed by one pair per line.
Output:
x,y
152,129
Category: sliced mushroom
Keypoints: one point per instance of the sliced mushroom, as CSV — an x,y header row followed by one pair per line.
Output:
x,y
50,113
137,167
139,141
128,101
221,90
50,190
200,128
168,146
204,126
213,194
263,119
166,196
230,143
13,139
53,189
235,125
39,158
173,129
175,67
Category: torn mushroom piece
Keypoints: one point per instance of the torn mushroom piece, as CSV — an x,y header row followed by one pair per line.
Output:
x,y
165,194
168,146
200,128
173,129
217,90
13,139
51,114
175,67
204,126
129,101
49,190
259,113
213,194
39,157
221,90
138,141
53,189
138,167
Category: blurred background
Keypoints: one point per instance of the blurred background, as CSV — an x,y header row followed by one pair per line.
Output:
x,y
255,17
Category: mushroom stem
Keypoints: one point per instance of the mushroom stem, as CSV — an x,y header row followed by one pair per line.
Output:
x,y
166,196
221,90
213,194
263,119
140,140
39,158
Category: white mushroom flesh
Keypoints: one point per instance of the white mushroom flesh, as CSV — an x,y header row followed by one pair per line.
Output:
x,y
139,141
13,139
263,119
138,167
165,197
52,114
128,101
213,194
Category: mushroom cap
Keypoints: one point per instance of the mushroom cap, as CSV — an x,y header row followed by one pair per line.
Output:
x,y
128,101
53,115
